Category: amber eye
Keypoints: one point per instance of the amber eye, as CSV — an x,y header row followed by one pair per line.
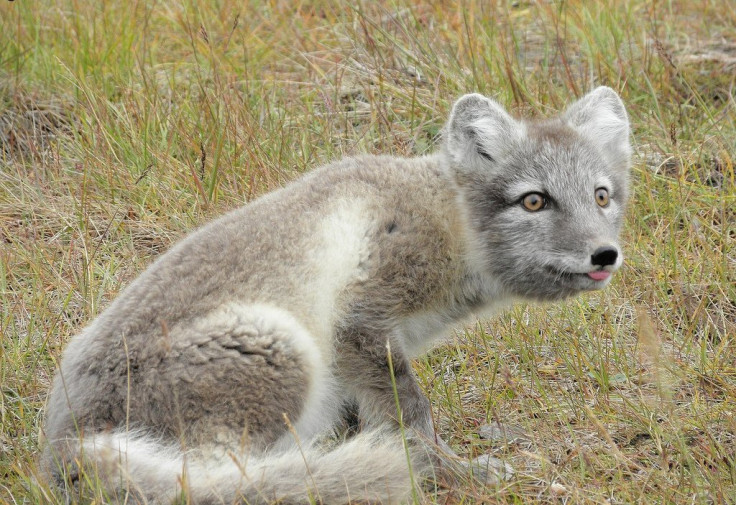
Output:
x,y
534,202
601,197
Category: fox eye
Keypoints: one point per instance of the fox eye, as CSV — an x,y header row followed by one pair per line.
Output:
x,y
534,202
601,197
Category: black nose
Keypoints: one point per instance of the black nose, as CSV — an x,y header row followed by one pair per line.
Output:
x,y
604,256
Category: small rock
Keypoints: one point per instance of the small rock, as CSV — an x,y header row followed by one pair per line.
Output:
x,y
504,433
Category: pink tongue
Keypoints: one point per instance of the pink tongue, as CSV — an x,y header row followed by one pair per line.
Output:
x,y
599,275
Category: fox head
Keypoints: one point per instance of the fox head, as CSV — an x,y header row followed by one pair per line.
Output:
x,y
545,199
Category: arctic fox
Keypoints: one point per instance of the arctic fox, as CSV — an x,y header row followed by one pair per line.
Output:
x,y
213,374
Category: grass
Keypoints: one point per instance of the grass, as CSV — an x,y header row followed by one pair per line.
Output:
x,y
125,124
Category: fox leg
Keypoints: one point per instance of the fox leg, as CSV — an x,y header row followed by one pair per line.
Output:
x,y
365,365
377,373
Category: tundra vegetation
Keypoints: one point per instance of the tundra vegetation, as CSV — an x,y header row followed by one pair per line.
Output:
x,y
123,125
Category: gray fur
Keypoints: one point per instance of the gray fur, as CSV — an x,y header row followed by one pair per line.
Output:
x,y
245,340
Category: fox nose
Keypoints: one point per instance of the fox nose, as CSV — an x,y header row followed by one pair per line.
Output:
x,y
604,256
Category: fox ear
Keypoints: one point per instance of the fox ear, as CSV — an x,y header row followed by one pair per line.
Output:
x,y
601,117
480,132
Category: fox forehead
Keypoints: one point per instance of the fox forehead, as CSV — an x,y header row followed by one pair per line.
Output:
x,y
557,163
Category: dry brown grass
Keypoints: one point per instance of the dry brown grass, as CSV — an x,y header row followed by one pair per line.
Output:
x,y
125,124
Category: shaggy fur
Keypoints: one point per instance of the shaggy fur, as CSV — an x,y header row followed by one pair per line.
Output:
x,y
216,370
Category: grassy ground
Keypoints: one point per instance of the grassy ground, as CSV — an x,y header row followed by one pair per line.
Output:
x,y
125,124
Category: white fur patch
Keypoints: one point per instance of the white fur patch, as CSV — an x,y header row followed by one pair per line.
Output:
x,y
141,461
370,467
337,259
